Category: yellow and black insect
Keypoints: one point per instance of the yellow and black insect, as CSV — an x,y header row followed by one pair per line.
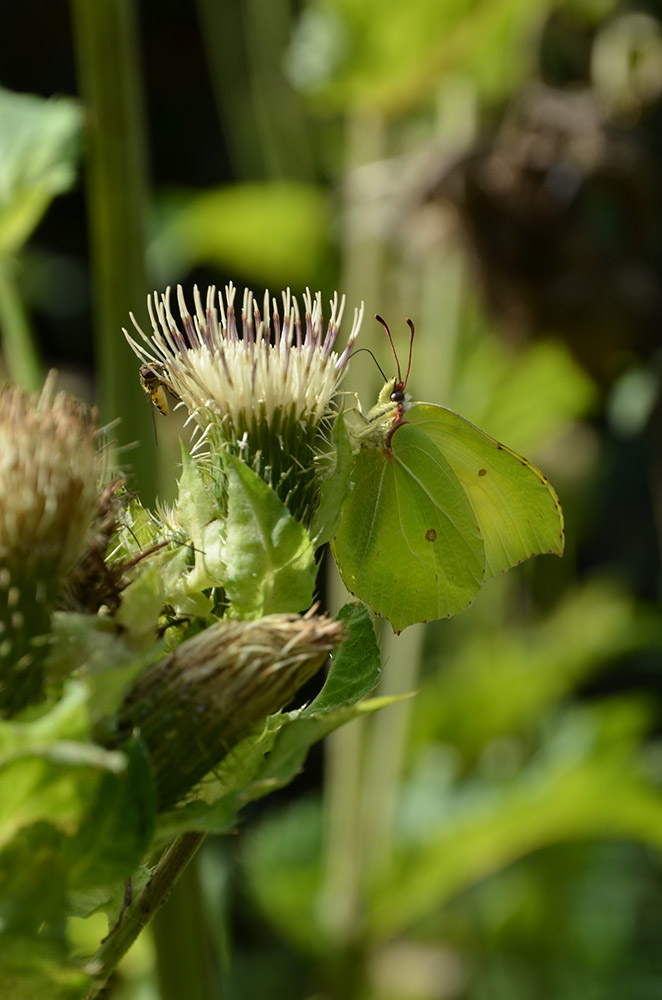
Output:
x,y
152,380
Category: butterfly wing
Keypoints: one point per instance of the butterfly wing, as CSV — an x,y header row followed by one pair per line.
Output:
x,y
518,512
408,542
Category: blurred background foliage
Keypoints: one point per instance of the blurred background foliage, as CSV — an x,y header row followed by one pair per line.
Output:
x,y
490,168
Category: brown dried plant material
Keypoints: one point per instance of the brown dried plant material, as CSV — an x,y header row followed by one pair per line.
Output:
x,y
49,474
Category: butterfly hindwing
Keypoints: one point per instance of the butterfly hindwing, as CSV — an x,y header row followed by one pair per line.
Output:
x,y
409,542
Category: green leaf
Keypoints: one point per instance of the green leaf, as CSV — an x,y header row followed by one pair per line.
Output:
x,y
589,783
334,488
259,765
198,514
34,958
46,771
355,666
195,505
218,227
269,556
382,54
108,658
39,144
501,681
141,604
118,827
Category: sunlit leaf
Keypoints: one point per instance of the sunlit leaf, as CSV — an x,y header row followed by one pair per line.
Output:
x,y
274,232
38,155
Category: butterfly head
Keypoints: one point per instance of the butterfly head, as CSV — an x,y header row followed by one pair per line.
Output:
x,y
397,386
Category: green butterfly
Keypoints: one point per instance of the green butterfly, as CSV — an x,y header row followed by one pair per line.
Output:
x,y
436,508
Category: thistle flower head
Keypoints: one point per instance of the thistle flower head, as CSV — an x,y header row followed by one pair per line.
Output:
x,y
265,387
48,502
48,479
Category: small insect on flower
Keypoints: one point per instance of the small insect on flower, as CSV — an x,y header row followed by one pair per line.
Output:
x,y
152,380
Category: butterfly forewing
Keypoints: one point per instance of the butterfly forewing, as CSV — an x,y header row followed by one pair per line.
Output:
x,y
517,510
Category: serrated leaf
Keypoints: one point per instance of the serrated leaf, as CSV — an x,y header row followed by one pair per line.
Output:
x,y
195,506
355,666
141,604
108,658
334,488
198,515
269,556
262,763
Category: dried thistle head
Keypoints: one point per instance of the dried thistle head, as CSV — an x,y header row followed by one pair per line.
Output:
x,y
196,704
49,472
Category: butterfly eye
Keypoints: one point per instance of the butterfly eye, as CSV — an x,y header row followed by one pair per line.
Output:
x,y
398,394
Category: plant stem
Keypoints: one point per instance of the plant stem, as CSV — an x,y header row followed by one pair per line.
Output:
x,y
342,864
387,744
106,52
20,352
187,963
141,910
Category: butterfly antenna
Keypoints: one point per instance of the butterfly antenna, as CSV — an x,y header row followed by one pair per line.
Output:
x,y
368,351
411,347
390,340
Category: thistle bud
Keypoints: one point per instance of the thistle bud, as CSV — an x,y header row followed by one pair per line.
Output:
x,y
196,704
48,499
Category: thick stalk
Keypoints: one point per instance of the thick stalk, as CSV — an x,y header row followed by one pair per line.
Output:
x,y
105,36
342,867
387,744
187,955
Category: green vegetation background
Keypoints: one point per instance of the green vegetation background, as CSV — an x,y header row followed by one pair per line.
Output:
x,y
490,169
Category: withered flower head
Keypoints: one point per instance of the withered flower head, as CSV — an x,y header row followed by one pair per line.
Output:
x,y
48,501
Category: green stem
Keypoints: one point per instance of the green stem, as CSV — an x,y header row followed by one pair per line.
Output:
x,y
387,744
141,910
187,964
362,277
263,121
21,356
341,889
107,60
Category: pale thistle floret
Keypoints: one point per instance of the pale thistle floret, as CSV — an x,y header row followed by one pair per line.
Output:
x,y
264,388
223,374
